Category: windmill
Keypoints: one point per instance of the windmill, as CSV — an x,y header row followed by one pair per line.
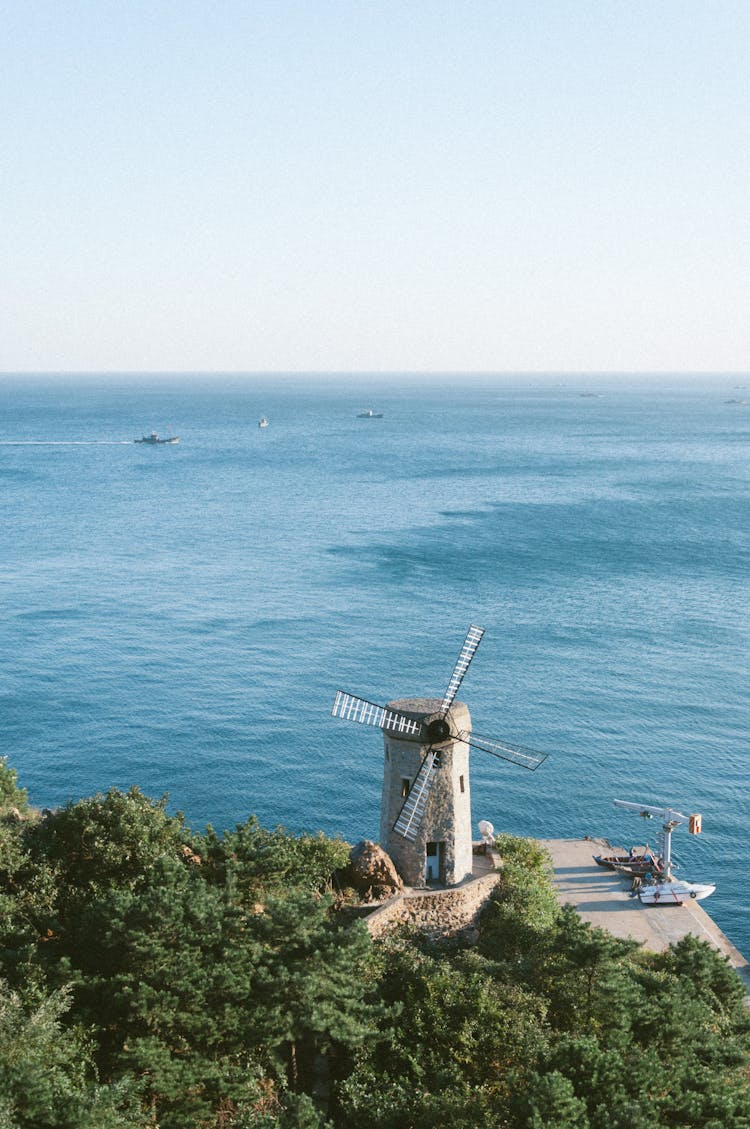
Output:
x,y
425,820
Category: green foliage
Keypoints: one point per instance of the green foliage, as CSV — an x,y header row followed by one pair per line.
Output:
x,y
162,975
312,985
11,796
460,1036
292,1111
550,1103
376,1101
110,841
518,920
713,979
184,979
590,976
14,810
260,862
47,1080
161,978
527,853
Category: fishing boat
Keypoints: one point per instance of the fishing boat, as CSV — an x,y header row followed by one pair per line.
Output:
x,y
262,422
638,857
368,413
154,438
639,868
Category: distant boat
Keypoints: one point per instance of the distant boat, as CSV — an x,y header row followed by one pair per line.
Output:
x,y
368,413
155,438
262,422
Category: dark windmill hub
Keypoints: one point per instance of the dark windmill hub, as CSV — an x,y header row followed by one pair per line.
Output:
x,y
425,822
437,731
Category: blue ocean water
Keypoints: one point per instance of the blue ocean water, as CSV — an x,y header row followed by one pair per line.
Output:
x,y
180,617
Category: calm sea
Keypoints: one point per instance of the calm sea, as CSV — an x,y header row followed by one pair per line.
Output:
x,y
180,617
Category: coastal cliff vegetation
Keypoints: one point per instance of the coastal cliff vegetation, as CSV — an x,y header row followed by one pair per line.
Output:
x,y
156,977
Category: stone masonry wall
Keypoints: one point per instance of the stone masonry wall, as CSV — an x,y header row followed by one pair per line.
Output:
x,y
447,816
440,913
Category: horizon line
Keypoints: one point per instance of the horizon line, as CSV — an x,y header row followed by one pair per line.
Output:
x,y
373,372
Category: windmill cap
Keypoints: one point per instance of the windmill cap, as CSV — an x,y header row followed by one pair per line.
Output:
x,y
427,710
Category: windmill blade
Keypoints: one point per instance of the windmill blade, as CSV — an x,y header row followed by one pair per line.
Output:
x,y
410,816
369,713
471,642
505,750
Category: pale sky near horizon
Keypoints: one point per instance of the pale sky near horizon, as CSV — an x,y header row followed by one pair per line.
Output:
x,y
314,185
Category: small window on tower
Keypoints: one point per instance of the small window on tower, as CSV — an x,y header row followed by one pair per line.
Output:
x,y
461,783
405,785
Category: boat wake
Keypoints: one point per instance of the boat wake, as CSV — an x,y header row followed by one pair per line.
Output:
x,y
64,442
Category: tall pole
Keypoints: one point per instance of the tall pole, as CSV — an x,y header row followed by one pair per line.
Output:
x,y
666,853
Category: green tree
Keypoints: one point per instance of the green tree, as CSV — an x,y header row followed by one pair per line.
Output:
x,y
455,1048
47,1080
11,796
163,976
549,1102
313,987
709,973
110,841
528,853
613,1080
516,924
14,810
265,862
68,860
590,976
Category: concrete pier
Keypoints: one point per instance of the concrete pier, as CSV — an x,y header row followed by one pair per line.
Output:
x,y
603,898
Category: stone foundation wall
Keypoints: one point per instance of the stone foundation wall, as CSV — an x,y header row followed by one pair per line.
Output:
x,y
439,913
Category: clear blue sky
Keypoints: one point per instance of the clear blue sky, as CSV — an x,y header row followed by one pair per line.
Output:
x,y
364,185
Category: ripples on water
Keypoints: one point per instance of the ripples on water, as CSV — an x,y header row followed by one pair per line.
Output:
x,y
180,617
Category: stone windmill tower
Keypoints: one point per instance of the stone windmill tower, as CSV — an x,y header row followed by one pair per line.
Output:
x,y
425,821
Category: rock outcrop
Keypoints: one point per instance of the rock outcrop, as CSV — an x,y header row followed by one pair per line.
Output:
x,y
371,872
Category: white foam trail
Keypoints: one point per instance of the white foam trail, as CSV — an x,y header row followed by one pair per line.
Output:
x,y
65,442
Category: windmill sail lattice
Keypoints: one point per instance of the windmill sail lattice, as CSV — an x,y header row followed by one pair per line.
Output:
x,y
352,708
505,751
411,814
472,641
